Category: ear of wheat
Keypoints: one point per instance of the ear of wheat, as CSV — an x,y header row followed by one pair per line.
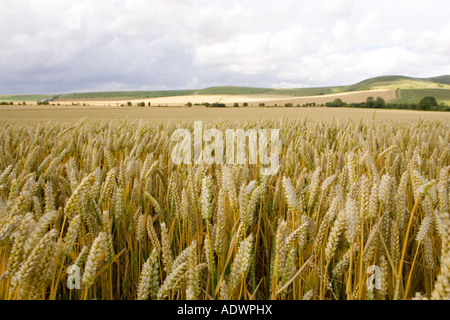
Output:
x,y
106,197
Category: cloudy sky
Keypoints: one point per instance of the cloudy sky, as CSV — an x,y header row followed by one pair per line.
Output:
x,y
107,45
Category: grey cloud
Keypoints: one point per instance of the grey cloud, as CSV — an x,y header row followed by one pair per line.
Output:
x,y
70,45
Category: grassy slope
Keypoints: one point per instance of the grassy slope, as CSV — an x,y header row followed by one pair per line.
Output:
x,y
378,83
300,92
411,89
100,95
28,97
440,79
399,82
126,94
415,95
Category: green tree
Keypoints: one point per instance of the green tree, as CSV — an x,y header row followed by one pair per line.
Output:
x,y
336,103
428,102
379,103
370,102
218,105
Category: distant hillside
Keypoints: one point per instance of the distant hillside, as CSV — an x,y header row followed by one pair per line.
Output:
x,y
440,79
411,90
118,95
400,82
415,95
298,92
377,83
26,97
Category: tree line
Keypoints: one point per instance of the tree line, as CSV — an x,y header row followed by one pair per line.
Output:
x,y
427,103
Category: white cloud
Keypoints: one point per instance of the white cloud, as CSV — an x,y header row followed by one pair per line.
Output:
x,y
386,61
335,7
369,24
399,36
340,30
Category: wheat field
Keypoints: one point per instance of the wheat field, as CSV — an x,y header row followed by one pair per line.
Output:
x,y
352,202
37,114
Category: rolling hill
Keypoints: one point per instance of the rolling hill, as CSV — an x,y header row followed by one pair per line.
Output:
x,y
410,90
377,83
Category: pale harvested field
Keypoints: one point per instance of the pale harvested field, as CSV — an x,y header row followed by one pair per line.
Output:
x,y
252,100
29,114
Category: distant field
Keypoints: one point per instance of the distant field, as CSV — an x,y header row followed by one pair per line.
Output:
x,y
415,95
231,99
299,92
32,114
407,85
119,95
125,94
27,98
412,91
399,82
